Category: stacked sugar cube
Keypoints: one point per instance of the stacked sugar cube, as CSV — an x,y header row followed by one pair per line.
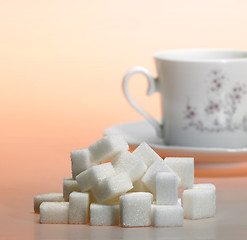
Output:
x,y
112,186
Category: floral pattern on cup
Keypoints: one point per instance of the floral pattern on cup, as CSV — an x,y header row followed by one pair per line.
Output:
x,y
220,110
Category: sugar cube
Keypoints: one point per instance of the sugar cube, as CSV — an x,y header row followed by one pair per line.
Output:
x,y
78,208
47,197
149,178
91,197
168,216
127,162
69,185
104,215
184,167
87,179
146,154
135,209
204,186
107,147
166,188
80,161
54,212
199,202
121,185
179,203
138,186
112,187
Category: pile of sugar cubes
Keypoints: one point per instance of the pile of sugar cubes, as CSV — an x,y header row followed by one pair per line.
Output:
x,y
112,186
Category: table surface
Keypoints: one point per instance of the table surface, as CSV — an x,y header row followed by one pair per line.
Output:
x,y
18,219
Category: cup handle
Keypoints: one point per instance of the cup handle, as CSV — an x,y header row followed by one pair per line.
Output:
x,y
152,83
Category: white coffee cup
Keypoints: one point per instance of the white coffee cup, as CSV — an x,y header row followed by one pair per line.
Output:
x,y
204,97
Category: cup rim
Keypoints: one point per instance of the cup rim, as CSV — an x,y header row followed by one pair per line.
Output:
x,y
185,55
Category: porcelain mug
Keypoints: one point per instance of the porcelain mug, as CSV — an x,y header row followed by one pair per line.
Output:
x,y
204,97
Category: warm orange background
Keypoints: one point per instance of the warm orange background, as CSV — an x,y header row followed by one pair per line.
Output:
x,y
61,67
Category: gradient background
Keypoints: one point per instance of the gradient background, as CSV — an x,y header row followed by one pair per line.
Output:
x,y
61,68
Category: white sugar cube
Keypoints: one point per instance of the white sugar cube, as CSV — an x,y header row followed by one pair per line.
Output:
x,y
80,161
179,203
168,216
127,162
135,209
87,179
146,154
112,187
78,208
69,185
47,197
184,167
199,202
166,188
149,178
91,197
107,147
54,212
104,215
138,186
204,186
